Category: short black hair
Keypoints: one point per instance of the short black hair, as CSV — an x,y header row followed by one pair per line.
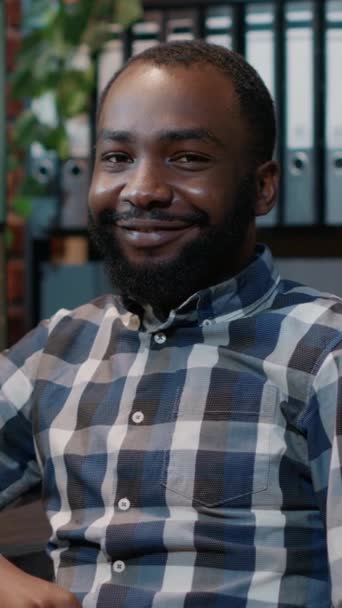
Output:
x,y
254,98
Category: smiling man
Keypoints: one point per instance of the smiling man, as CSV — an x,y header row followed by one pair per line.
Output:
x,y
175,153
187,431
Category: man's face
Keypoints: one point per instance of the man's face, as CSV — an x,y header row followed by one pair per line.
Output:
x,y
171,200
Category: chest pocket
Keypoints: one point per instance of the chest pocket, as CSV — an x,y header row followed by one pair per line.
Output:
x,y
220,447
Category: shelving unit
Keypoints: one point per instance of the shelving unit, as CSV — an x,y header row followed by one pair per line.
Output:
x,y
3,323
304,224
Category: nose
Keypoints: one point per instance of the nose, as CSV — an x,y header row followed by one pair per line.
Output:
x,y
146,187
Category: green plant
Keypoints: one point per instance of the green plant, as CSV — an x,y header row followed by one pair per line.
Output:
x,y
56,31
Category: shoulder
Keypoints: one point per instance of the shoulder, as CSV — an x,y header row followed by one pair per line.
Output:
x,y
307,329
92,313
306,325
73,333
66,331
308,309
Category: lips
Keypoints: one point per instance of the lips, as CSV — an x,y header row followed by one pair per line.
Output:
x,y
152,225
152,233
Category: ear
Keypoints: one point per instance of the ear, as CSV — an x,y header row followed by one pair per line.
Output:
x,y
267,184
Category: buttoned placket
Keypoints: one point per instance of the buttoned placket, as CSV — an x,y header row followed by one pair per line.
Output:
x,y
137,417
119,566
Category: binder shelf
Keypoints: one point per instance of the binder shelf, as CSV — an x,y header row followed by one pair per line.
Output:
x,y
297,48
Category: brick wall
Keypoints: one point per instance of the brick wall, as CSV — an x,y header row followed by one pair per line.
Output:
x,y
15,256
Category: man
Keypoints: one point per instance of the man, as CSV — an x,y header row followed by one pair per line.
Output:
x,y
187,432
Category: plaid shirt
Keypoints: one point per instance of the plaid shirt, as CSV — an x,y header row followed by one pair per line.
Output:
x,y
188,463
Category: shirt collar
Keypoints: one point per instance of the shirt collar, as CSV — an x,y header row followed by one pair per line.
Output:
x,y
234,297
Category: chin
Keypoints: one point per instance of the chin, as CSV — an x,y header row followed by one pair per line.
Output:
x,y
150,260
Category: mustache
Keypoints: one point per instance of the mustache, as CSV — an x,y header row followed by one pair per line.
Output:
x,y
110,216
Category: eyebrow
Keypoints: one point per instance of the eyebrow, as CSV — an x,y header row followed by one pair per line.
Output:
x,y
196,133
115,135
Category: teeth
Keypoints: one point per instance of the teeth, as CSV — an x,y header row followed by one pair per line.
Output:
x,y
144,229
151,229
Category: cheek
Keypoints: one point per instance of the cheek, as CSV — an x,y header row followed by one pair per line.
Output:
x,y
212,193
214,201
102,191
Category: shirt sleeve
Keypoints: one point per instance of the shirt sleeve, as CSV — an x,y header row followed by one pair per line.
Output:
x,y
19,470
324,428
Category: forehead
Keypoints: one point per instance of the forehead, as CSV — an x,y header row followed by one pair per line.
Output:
x,y
147,96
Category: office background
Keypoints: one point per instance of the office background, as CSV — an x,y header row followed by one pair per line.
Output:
x,y
297,49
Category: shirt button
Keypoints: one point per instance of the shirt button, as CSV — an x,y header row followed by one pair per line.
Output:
x,y
160,338
124,504
119,566
138,417
206,322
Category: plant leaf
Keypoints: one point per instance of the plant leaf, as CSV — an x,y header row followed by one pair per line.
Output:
x,y
58,140
22,205
25,129
30,187
127,12
97,35
40,14
9,238
73,93
45,62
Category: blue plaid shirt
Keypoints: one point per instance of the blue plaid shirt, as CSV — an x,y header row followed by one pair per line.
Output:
x,y
187,463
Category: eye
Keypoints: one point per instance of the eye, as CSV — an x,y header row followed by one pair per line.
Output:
x,y
191,157
191,161
116,158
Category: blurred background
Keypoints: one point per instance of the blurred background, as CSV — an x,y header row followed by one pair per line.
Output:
x,y
56,56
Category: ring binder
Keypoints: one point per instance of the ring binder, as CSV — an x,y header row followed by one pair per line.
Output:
x,y
299,165
260,52
333,158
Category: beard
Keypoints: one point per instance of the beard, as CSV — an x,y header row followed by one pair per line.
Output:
x,y
209,259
